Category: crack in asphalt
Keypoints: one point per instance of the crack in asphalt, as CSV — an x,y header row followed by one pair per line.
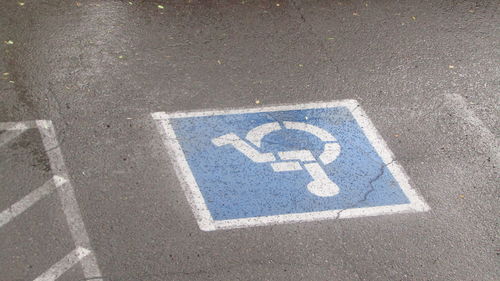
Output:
x,y
367,193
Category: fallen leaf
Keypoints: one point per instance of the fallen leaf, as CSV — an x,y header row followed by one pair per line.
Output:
x,y
78,4
20,3
130,3
413,18
9,42
12,82
330,38
257,101
355,14
451,66
277,4
161,7
219,62
5,73
461,196
301,65
120,57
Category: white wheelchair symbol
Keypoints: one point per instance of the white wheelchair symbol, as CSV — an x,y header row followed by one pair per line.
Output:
x,y
321,185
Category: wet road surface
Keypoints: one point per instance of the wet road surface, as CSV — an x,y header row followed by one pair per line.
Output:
x,y
426,73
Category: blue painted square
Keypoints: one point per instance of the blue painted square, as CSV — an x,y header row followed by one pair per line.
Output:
x,y
233,186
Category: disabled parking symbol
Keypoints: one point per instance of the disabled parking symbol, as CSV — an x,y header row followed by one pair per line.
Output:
x,y
320,185
289,163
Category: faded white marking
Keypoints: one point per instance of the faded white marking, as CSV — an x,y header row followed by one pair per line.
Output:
x,y
316,131
68,200
5,126
256,134
243,147
302,155
27,201
205,220
11,133
286,166
486,137
63,265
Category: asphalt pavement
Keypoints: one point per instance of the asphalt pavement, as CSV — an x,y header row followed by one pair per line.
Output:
x,y
110,205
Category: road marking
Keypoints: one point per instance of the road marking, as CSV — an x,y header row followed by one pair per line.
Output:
x,y
5,126
63,265
25,203
68,200
243,147
331,152
302,155
486,137
355,162
256,134
194,196
286,166
320,133
321,185
11,133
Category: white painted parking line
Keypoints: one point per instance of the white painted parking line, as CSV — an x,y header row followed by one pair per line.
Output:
x,y
66,195
22,205
193,195
11,133
63,265
68,200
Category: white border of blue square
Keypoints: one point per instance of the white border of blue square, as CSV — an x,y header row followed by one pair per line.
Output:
x,y
201,212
